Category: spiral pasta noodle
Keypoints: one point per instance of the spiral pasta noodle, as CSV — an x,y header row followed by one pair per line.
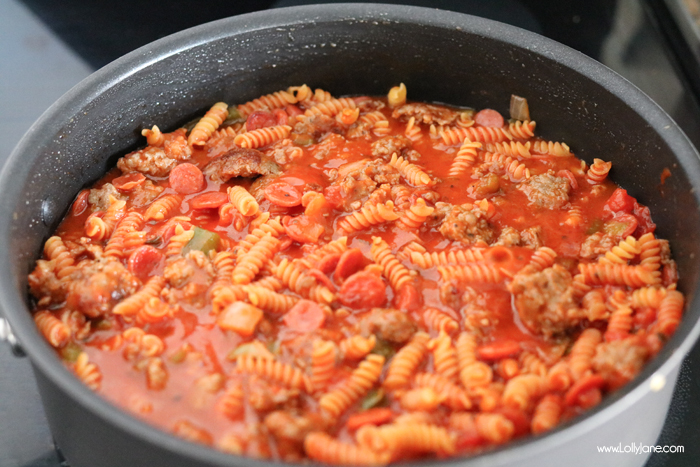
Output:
x,y
522,390
322,363
650,252
126,236
444,356
274,370
620,322
227,295
522,129
223,263
178,241
331,107
473,272
163,207
130,306
334,247
251,262
583,351
369,215
270,301
406,361
453,136
208,124
324,448
514,168
455,397
54,330
411,172
510,148
531,364
494,427
648,296
408,437
294,276
551,148
275,100
232,402
440,321
618,274
465,158
87,372
547,413
413,131
357,347
670,312
361,380
243,201
421,258
154,137
598,171
63,262
154,311
397,274
262,136
543,258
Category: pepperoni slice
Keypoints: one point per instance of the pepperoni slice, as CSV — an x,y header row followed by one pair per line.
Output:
x,y
328,263
81,203
363,290
211,200
144,260
349,263
186,179
281,116
489,117
282,194
305,316
302,229
128,181
408,298
260,119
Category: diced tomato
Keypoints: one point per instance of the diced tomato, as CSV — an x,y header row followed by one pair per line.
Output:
x,y
669,274
572,178
581,386
282,194
628,224
498,350
620,201
293,110
144,260
334,195
408,298
350,262
302,229
305,316
128,181
518,417
186,179
644,218
363,290
328,263
644,316
375,416
211,200
81,203
260,119
489,117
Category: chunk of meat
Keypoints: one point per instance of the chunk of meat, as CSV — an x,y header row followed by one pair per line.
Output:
x,y
178,272
317,126
176,147
546,190
532,237
546,301
621,360
44,285
426,113
97,286
391,325
145,193
294,427
240,162
99,198
389,145
508,237
598,244
467,224
151,160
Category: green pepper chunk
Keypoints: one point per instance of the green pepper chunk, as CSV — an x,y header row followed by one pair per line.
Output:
x,y
615,227
595,227
71,352
203,240
375,398
302,139
234,116
383,348
189,125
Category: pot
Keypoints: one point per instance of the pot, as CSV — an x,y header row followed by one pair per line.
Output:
x,y
346,49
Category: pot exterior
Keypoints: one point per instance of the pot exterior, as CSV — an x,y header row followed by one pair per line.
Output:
x,y
351,49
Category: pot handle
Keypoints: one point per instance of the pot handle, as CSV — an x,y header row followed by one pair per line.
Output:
x,y
7,335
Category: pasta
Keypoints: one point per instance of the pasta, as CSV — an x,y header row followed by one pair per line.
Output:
x,y
355,280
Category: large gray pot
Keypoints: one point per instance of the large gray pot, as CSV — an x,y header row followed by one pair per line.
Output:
x,y
347,49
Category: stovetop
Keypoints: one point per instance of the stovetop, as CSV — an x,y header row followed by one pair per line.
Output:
x,y
48,46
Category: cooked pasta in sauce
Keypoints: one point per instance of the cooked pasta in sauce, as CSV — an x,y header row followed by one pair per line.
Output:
x,y
355,280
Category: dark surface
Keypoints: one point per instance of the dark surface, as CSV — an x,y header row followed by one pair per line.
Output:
x,y
585,26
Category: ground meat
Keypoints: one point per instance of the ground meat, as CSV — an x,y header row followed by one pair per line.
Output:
x,y
546,301
282,151
532,237
178,272
144,193
508,237
412,155
391,325
177,148
467,224
45,286
389,145
240,162
97,286
359,130
370,105
317,126
151,161
426,113
99,198
546,190
620,361
598,244
357,185
380,172
292,426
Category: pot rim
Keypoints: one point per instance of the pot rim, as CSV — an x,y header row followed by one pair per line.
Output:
x,y
43,356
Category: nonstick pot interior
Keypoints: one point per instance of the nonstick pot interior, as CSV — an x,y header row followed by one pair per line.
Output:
x,y
346,49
